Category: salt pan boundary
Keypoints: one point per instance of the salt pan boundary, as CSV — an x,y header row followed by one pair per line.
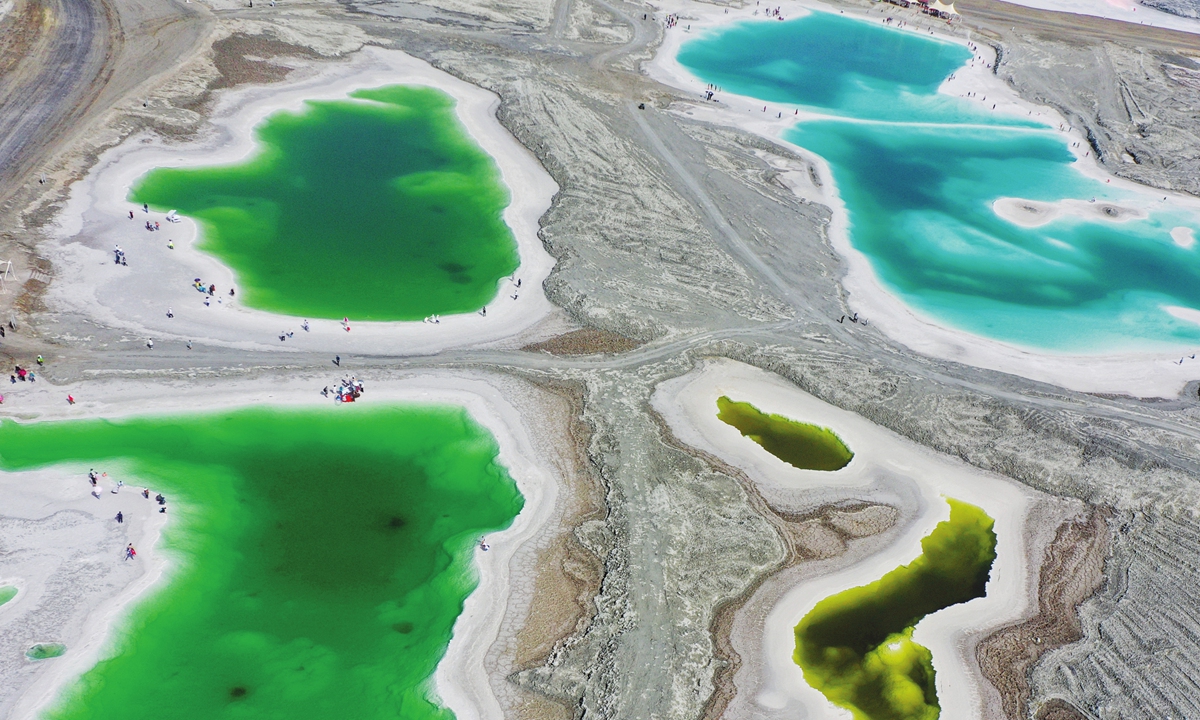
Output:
x,y
136,298
1140,373
770,683
498,607
1128,11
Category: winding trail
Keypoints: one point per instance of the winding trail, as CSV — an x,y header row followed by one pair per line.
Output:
x,y
63,55
64,62
562,13
643,33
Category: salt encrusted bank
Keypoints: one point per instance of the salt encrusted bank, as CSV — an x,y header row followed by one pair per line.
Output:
x,y
136,298
462,680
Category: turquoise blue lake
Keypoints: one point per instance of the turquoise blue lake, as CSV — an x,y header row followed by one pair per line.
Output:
x,y
919,171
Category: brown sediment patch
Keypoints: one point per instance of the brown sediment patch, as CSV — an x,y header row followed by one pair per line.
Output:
x,y
242,59
1072,570
1059,710
19,31
41,271
588,341
568,574
31,298
817,535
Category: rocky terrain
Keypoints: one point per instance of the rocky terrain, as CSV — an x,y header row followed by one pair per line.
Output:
x,y
677,241
1182,8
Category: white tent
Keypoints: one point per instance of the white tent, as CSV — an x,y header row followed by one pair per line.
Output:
x,y
943,7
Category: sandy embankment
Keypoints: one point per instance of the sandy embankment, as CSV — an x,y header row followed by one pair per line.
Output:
x,y
136,298
769,682
1146,373
507,407
52,526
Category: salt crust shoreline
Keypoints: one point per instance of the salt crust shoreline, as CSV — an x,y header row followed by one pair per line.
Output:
x,y
461,679
1141,373
136,298
689,406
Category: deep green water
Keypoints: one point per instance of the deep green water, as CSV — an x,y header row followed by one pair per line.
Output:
x,y
856,647
919,171
7,592
379,207
801,445
321,557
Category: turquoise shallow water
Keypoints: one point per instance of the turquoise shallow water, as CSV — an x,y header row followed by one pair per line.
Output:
x,y
919,172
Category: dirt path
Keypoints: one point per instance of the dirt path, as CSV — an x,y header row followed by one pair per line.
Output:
x,y
1000,18
60,50
64,62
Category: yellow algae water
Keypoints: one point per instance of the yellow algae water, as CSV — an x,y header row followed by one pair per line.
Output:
x,y
808,447
856,647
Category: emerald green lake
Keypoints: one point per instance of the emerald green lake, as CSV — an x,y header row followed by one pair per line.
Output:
x,y
7,592
319,558
856,647
919,170
377,207
801,445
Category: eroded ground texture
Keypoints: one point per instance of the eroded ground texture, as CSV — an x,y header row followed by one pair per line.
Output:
x,y
677,241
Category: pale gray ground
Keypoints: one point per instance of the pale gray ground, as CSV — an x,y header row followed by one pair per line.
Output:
x,y
1139,106
676,233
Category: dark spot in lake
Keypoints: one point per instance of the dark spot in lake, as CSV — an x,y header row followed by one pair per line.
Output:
x,y
403,628
238,691
395,522
454,268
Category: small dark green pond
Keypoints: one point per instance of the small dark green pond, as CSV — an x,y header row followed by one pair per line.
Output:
x,y
808,447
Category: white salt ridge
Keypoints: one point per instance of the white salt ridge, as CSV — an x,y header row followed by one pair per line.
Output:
x,y
1034,213
1184,237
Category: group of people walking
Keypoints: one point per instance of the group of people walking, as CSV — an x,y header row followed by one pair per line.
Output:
x,y
345,390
